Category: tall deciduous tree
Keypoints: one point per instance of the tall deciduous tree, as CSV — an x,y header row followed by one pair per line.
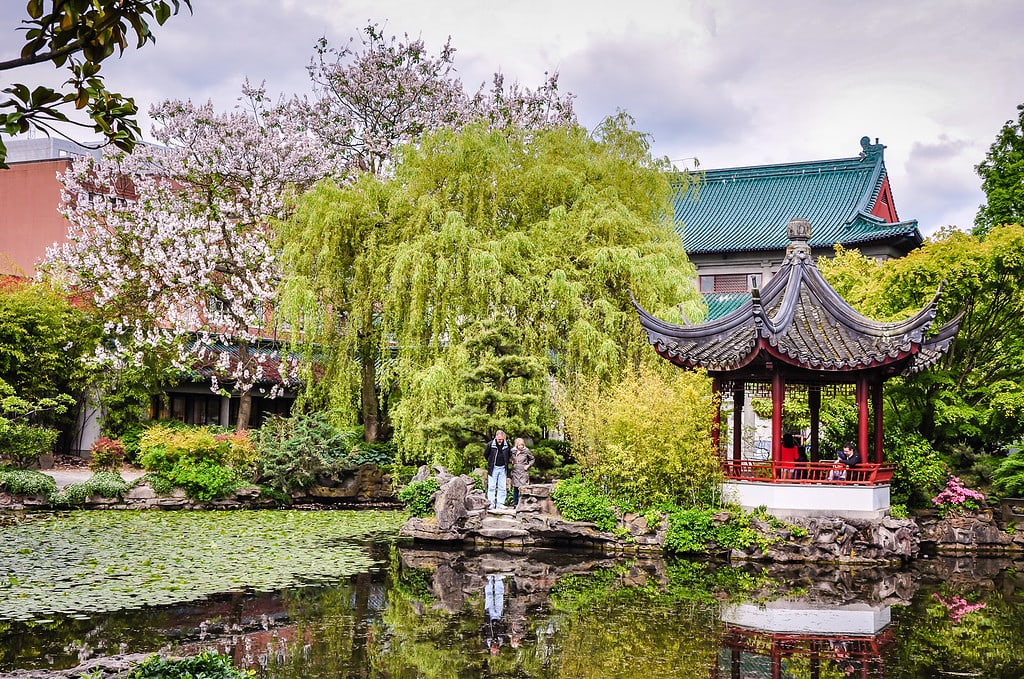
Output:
x,y
175,244
544,229
376,96
1002,178
976,396
43,339
80,35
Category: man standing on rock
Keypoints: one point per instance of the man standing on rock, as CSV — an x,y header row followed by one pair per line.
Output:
x,y
497,454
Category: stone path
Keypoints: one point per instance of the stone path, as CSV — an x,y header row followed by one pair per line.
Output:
x,y
65,477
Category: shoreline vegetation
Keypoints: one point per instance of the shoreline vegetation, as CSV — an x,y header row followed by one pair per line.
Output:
x,y
451,510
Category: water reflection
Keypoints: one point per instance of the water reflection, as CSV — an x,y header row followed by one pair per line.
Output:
x,y
836,621
440,614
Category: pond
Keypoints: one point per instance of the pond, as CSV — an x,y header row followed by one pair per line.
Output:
x,y
295,595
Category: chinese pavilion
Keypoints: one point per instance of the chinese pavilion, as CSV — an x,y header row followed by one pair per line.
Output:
x,y
797,333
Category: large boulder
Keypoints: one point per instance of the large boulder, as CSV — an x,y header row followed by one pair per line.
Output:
x,y
450,503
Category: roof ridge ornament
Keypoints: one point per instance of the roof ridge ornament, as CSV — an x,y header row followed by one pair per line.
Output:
x,y
799,232
871,151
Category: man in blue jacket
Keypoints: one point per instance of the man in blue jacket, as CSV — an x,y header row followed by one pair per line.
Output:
x,y
497,453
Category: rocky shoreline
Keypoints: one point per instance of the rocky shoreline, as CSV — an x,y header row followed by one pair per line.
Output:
x,y
461,517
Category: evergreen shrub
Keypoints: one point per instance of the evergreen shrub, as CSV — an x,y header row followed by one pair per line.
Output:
x,y
1008,477
196,459
105,484
293,451
207,665
918,470
580,500
418,496
27,482
22,444
695,530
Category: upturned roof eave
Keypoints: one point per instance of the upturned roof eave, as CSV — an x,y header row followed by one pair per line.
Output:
x,y
873,186
770,313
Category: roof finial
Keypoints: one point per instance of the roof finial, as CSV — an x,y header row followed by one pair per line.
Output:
x,y
870,151
799,232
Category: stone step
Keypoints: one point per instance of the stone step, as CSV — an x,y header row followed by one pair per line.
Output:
x,y
502,533
494,522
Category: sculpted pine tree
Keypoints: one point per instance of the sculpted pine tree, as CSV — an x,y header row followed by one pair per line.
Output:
x,y
544,229
175,245
501,389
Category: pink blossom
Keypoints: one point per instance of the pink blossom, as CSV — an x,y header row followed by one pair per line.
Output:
x,y
176,244
957,607
956,495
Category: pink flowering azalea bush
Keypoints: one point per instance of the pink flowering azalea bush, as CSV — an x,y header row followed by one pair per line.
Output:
x,y
957,607
955,498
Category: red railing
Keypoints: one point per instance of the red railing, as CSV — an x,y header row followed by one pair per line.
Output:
x,y
767,471
765,643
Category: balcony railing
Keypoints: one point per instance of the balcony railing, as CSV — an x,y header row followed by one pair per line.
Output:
x,y
766,471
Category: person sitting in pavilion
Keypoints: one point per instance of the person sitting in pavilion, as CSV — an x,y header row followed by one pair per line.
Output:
x,y
845,458
787,468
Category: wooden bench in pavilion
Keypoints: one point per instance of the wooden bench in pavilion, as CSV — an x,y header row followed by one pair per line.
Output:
x,y
798,333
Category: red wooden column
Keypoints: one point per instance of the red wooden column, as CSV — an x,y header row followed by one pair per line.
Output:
x,y
814,405
778,398
716,418
862,417
876,407
738,402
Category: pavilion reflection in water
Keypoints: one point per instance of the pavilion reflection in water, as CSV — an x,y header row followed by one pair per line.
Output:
x,y
760,641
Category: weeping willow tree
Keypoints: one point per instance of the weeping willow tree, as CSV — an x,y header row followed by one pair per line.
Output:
x,y
545,230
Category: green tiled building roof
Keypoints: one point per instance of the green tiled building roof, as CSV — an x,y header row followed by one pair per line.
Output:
x,y
722,303
746,209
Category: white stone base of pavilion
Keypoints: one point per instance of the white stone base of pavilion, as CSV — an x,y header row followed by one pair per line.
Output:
x,y
795,617
810,500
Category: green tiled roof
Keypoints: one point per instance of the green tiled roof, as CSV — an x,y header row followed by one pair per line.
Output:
x,y
723,303
747,208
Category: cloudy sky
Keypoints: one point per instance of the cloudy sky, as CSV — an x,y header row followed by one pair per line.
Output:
x,y
728,82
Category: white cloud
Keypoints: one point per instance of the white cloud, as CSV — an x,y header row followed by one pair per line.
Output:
x,y
733,83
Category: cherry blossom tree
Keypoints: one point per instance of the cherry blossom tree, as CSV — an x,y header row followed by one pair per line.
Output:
x,y
175,243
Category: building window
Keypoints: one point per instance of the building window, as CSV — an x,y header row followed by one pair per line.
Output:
x,y
730,282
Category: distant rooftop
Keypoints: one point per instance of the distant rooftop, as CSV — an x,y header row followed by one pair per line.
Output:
x,y
22,150
746,209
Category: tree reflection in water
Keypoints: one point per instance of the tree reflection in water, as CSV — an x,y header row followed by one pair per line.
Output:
x,y
434,614
586,615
